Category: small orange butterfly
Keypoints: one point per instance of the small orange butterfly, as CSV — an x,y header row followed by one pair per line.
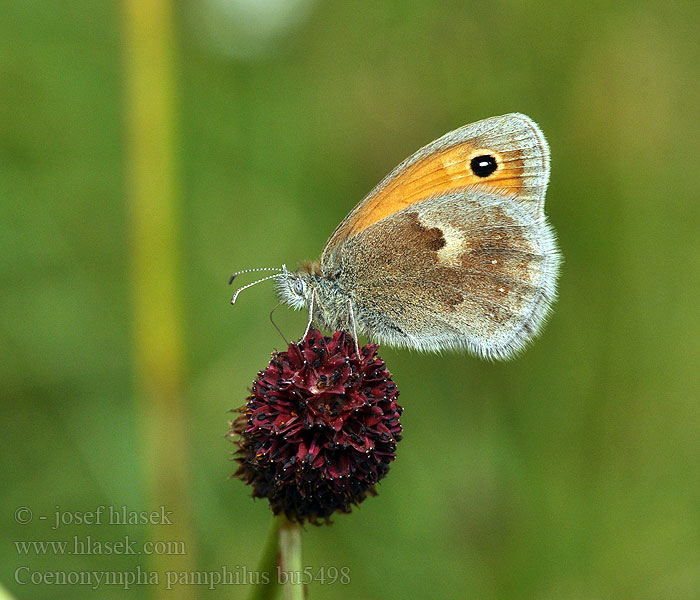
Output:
x,y
452,250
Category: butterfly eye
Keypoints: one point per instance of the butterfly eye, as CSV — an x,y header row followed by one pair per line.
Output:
x,y
298,287
484,165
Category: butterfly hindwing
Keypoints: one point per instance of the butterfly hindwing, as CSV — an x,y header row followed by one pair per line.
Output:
x,y
462,270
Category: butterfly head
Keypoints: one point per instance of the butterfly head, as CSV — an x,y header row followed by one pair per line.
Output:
x,y
296,287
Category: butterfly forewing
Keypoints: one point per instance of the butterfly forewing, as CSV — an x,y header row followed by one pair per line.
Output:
x,y
513,144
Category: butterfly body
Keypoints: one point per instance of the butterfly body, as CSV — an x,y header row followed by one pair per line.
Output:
x,y
450,251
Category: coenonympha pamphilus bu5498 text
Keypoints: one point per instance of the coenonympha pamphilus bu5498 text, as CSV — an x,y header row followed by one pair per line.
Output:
x,y
452,250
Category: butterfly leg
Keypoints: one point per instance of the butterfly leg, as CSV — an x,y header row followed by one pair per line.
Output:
x,y
311,314
354,327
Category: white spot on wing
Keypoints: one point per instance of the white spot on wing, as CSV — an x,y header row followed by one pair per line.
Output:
x,y
455,244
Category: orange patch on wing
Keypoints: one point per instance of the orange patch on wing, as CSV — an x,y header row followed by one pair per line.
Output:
x,y
439,173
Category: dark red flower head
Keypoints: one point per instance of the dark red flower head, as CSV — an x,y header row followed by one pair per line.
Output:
x,y
320,428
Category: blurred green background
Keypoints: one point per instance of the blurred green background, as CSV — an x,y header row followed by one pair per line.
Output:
x,y
572,472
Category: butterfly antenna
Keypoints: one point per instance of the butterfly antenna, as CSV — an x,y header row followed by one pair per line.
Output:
x,y
237,273
245,287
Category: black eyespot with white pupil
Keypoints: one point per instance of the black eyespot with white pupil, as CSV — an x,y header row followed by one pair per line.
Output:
x,y
298,287
484,165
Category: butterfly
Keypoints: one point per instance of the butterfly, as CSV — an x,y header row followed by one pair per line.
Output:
x,y
451,250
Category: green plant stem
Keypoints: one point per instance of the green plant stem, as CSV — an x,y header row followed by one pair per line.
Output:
x,y
281,561
290,559
152,194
